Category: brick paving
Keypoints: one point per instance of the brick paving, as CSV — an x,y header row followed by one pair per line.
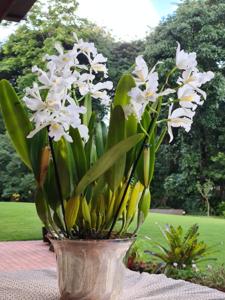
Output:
x,y
25,255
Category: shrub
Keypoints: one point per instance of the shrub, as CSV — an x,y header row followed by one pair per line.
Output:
x,y
221,209
182,251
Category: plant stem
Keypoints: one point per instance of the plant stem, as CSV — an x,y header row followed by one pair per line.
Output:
x,y
58,183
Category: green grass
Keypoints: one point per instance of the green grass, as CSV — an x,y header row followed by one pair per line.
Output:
x,y
19,221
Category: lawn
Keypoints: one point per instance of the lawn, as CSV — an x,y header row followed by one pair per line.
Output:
x,y
18,221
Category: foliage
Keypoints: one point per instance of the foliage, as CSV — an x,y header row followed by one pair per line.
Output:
x,y
212,277
221,209
196,25
14,175
122,57
182,251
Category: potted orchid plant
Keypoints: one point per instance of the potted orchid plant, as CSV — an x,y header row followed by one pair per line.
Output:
x,y
93,179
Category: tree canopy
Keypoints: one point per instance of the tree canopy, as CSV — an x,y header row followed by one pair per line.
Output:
x,y
198,25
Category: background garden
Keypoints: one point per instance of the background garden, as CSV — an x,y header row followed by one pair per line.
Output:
x,y
189,173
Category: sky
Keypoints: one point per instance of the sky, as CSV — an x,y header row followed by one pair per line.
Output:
x,y
126,19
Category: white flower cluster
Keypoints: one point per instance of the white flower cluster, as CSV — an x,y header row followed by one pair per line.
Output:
x,y
52,100
146,89
188,93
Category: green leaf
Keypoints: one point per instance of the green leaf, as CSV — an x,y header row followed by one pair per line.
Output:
x,y
160,139
88,105
152,158
116,134
51,189
86,211
41,206
78,153
106,161
125,84
144,204
65,166
89,145
131,129
71,211
16,120
37,144
99,139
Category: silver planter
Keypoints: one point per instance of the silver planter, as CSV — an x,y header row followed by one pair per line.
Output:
x,y
90,269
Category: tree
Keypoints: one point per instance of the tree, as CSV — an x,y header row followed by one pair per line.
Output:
x,y
198,25
205,189
123,57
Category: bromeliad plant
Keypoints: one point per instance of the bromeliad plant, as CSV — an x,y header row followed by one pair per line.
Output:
x,y
93,180
182,250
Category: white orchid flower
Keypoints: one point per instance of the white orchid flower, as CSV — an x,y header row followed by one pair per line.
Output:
x,y
56,131
180,117
97,64
188,98
166,92
195,80
149,94
50,80
152,87
141,70
58,112
134,108
98,91
83,83
63,60
137,95
33,98
85,48
185,60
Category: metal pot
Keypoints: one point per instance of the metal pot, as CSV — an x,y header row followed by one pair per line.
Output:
x,y
90,269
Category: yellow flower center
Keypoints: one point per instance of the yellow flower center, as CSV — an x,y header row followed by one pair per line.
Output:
x,y
149,94
55,126
188,98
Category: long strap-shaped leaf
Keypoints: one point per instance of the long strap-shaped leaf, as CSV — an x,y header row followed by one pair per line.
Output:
x,y
106,161
116,134
125,84
16,120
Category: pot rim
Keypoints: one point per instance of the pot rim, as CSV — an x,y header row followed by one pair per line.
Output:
x,y
116,240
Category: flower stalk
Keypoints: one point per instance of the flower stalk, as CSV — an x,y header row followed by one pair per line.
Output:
x,y
59,188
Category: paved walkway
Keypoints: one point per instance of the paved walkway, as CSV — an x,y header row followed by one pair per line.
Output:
x,y
26,255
